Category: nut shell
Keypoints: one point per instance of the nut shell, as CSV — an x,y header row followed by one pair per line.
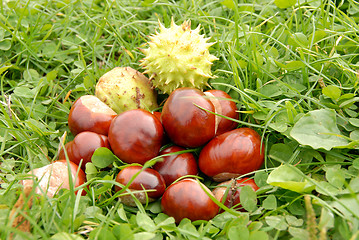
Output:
x,y
53,177
124,88
232,154
187,199
186,124
135,136
228,109
83,146
148,179
177,165
88,113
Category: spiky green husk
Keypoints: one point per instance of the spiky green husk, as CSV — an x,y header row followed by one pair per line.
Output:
x,y
178,57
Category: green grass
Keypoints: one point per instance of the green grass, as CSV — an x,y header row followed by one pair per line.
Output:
x,y
280,65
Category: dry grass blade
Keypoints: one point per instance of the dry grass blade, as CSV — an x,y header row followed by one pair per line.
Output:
x,y
311,220
23,204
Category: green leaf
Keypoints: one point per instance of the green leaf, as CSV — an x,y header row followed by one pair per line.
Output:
x,y
348,205
285,3
294,65
5,44
289,178
270,202
260,178
221,219
66,236
186,228
103,157
281,152
50,76
145,222
24,92
349,102
31,75
256,235
91,169
102,233
326,219
298,39
277,222
3,69
332,91
154,207
354,135
335,176
354,121
248,198
123,231
299,233
293,221
229,4
144,236
318,36
164,221
318,129
239,232
326,188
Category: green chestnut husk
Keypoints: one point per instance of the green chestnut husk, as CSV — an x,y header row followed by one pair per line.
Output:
x,y
124,88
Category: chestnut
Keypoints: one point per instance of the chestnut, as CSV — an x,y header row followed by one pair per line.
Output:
x,y
165,140
188,199
53,177
232,154
147,179
83,146
186,124
228,108
234,187
135,136
157,115
88,113
175,166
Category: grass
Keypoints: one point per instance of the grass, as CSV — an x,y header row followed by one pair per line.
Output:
x,y
283,66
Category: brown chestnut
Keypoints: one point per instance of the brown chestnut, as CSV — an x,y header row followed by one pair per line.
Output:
x,y
147,179
186,124
136,136
83,146
188,199
88,113
54,176
232,154
234,187
165,140
228,108
175,166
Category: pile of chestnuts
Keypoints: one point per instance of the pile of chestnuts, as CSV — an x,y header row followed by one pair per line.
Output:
x,y
190,119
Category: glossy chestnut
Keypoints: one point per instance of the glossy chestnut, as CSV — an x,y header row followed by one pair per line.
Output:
x,y
232,154
186,124
175,166
88,113
232,190
165,140
188,199
83,146
228,108
135,136
148,179
51,178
